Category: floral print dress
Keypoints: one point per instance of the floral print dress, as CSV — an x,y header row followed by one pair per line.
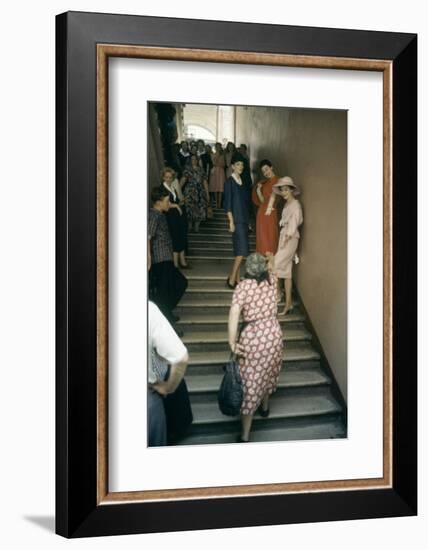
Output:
x,y
195,197
262,340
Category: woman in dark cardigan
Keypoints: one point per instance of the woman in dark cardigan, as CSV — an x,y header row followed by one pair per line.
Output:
x,y
175,217
237,201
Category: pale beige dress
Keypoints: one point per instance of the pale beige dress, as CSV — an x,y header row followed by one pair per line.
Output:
x,y
291,219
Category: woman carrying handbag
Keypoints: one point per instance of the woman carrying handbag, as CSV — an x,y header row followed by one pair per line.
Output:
x,y
260,344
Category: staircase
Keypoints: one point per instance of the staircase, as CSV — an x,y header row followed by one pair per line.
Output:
x,y
303,407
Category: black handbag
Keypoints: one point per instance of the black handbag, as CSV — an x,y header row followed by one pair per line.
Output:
x,y
231,393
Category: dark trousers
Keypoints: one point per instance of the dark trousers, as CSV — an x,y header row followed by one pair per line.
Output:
x,y
178,413
169,418
166,286
157,434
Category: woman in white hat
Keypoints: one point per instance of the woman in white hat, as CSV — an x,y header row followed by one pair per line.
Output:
x,y
291,219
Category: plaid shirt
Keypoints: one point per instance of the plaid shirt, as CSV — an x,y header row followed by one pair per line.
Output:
x,y
160,240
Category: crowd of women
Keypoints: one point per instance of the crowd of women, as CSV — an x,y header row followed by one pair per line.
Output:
x,y
204,178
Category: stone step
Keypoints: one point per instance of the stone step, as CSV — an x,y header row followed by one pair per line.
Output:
x,y
296,429
222,226
203,288
293,337
213,238
203,284
217,369
222,345
208,320
220,231
294,352
307,391
219,212
204,337
198,249
225,259
217,220
210,269
199,288
289,378
210,299
211,251
211,296
282,407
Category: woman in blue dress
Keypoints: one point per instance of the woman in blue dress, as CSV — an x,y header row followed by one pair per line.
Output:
x,y
237,202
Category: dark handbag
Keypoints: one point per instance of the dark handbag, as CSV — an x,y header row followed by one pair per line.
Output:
x,y
231,393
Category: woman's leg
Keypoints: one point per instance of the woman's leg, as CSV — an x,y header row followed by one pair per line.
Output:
x,y
175,256
197,226
234,275
265,402
246,421
279,291
288,284
182,257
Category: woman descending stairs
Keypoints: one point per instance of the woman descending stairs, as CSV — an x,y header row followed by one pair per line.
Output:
x,y
303,407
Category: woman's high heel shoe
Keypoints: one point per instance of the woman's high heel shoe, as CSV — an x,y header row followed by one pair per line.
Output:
x,y
264,413
229,285
286,311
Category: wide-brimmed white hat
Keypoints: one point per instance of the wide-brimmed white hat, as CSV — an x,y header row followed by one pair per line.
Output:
x,y
286,180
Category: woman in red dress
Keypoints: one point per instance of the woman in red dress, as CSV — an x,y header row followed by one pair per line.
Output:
x,y
267,220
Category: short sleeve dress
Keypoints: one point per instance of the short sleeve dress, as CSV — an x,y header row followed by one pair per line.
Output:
x,y
291,219
217,177
266,226
262,340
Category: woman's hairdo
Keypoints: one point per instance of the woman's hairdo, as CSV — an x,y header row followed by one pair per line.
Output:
x,y
167,169
237,157
256,264
256,267
158,193
265,162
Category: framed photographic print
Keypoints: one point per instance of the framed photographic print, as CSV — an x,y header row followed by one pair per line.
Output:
x,y
236,274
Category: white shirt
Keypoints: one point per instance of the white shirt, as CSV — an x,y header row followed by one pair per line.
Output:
x,y
164,340
175,189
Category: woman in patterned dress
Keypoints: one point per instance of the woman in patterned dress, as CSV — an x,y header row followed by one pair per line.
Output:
x,y
217,176
195,190
260,344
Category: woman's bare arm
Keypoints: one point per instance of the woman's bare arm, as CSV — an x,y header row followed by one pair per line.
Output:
x,y
259,192
271,262
234,314
231,222
270,205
